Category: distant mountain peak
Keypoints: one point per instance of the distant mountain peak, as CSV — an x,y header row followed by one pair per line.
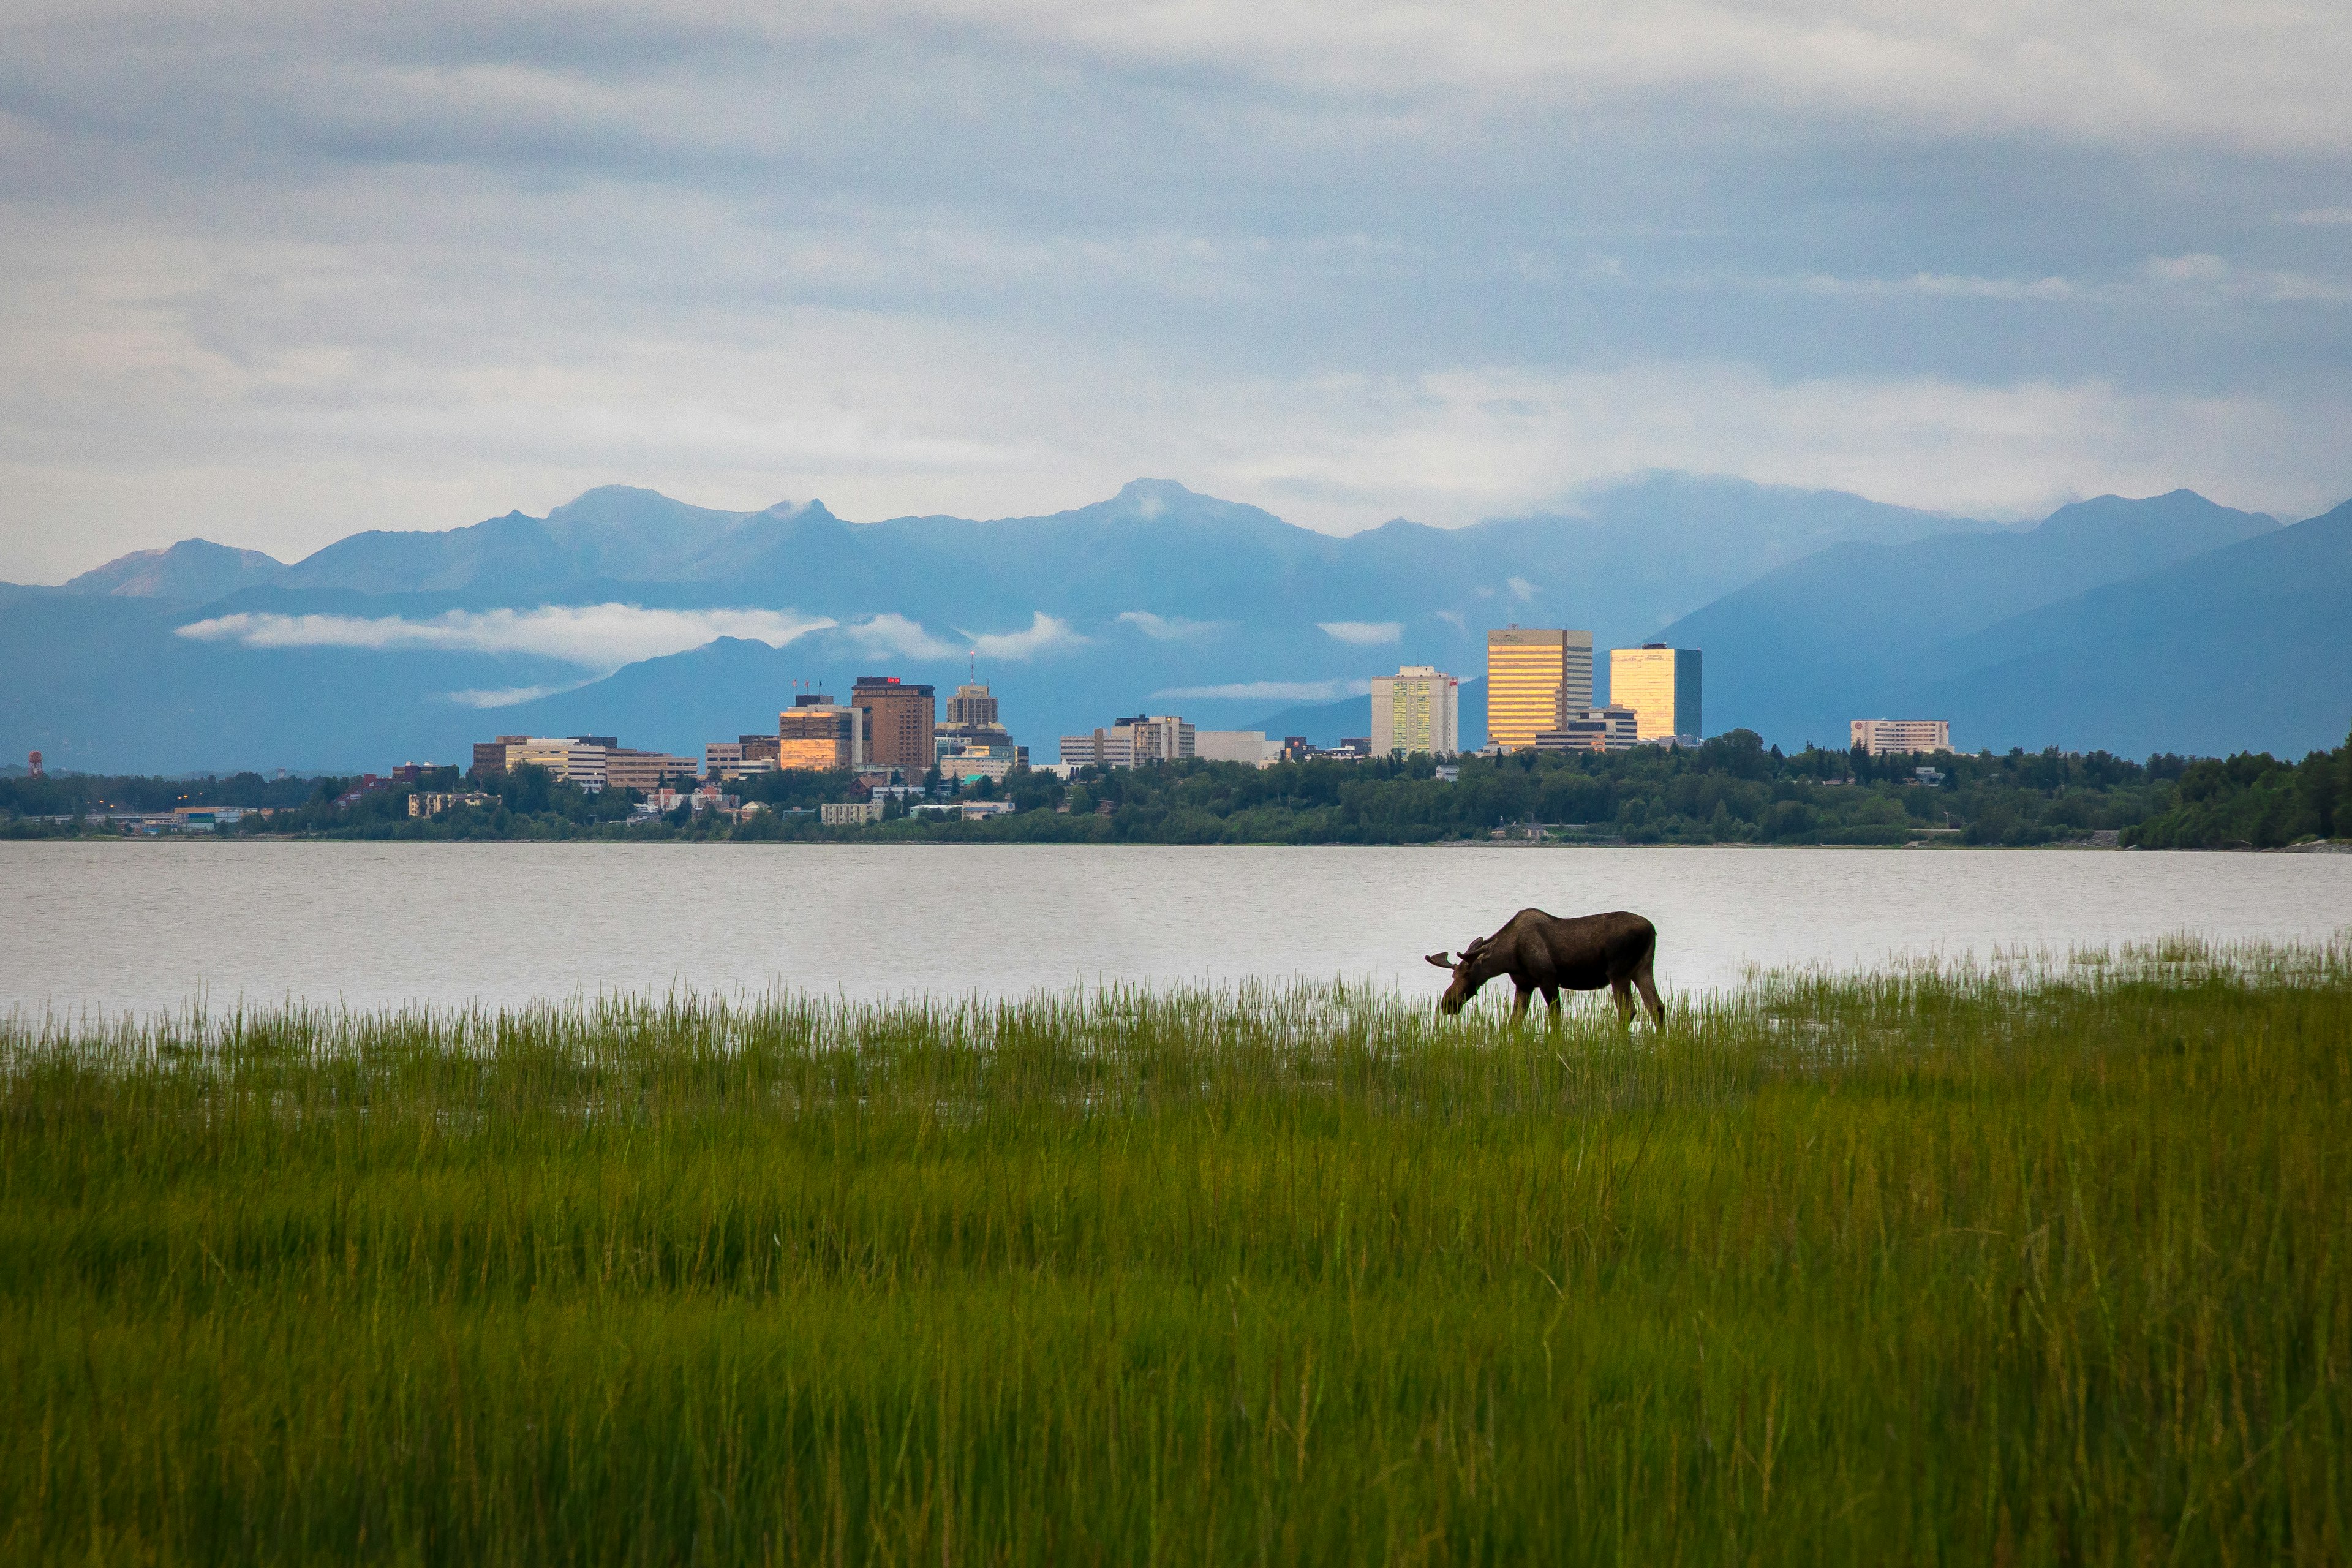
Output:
x,y
809,511
1151,498
193,570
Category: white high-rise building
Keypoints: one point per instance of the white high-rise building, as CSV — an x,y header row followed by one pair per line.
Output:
x,y
1418,709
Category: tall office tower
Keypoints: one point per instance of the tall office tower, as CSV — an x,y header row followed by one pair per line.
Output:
x,y
971,705
971,726
899,719
1660,684
817,736
1533,678
1418,709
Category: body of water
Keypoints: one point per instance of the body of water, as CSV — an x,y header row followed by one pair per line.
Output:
x,y
114,926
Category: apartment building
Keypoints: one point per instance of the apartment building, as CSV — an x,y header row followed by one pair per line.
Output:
x,y
1535,677
900,718
1162,737
1661,685
1418,709
1902,737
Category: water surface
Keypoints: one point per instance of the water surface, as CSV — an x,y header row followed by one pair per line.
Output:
x,y
113,926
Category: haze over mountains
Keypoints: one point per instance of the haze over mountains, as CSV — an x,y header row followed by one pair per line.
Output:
x,y
2133,625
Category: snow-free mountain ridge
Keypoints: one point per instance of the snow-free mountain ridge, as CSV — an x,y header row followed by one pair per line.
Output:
x,y
608,615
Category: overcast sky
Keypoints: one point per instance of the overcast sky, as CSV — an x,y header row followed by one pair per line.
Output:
x,y
271,273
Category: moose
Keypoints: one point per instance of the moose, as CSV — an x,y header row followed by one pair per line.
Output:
x,y
1549,954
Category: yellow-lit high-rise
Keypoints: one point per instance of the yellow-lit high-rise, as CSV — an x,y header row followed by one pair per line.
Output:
x,y
1660,684
1532,678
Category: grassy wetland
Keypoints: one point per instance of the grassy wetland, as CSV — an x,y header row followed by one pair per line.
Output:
x,y
2040,1262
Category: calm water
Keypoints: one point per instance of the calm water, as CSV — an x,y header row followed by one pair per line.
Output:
x,y
114,926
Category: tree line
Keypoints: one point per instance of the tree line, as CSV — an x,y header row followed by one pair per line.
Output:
x,y
1731,790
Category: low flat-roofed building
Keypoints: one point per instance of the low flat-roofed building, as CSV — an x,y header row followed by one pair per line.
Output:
x,y
1609,728
977,764
568,758
849,812
1249,746
645,771
1901,737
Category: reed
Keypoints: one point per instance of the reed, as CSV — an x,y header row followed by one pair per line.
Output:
x,y
2042,1260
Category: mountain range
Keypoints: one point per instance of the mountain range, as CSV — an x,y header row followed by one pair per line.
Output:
x,y
2163,624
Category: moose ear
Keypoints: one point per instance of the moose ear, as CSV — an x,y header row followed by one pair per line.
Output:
x,y
1476,943
1443,960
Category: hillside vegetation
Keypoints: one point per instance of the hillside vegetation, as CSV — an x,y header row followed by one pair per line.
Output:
x,y
2039,1266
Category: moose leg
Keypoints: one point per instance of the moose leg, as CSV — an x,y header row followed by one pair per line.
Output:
x,y
1649,998
1621,991
1552,1000
1650,994
1519,1009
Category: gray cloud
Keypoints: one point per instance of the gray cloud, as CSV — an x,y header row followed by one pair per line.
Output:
x,y
274,273
1268,691
596,637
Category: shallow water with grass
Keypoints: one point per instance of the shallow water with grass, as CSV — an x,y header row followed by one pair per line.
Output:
x,y
2043,1262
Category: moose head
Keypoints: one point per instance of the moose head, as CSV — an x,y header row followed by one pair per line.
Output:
x,y
1476,966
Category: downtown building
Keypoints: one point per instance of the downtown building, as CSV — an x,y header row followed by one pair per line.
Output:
x,y
1534,679
1131,742
816,734
591,761
1901,737
1610,728
1418,709
972,744
1661,685
900,720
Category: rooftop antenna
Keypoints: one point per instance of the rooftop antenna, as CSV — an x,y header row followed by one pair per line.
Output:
x,y
971,669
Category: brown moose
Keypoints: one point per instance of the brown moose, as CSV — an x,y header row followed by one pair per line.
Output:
x,y
1547,953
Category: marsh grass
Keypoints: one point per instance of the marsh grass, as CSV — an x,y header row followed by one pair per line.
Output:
x,y
2046,1261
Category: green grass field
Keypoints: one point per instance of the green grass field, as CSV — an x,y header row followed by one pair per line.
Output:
x,y
2049,1264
